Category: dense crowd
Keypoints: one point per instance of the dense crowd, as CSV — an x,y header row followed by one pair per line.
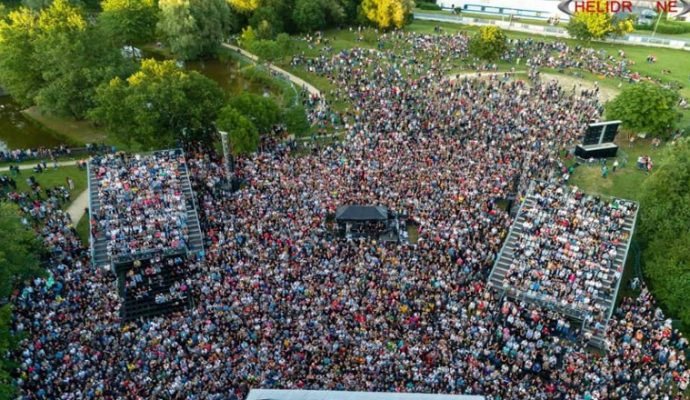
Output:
x,y
142,206
280,304
18,155
566,249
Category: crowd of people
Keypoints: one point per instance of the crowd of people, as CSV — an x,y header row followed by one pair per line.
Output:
x,y
279,303
566,249
19,155
141,203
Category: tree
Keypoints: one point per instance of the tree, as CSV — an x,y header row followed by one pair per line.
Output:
x,y
20,72
243,135
646,107
387,14
20,255
263,112
268,50
665,230
129,21
489,43
55,59
7,344
244,6
296,121
267,22
158,105
309,15
194,28
597,25
74,59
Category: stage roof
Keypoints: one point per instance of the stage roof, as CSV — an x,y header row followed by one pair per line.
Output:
x,y
273,394
361,213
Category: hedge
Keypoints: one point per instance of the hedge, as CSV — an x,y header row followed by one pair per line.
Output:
x,y
666,27
424,5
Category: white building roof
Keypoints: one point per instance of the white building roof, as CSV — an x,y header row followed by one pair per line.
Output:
x,y
274,394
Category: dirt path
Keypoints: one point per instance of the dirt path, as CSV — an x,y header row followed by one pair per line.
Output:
x,y
567,83
78,207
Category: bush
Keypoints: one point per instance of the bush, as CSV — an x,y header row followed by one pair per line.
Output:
x,y
257,76
425,5
666,27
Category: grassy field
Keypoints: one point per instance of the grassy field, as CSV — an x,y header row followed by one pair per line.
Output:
x,y
51,178
78,132
627,180
83,229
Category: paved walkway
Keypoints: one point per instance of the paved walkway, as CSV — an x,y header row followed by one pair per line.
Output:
x,y
78,207
23,167
294,79
641,40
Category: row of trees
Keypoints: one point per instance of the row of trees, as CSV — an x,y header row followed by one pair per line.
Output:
x,y
162,103
58,59
665,230
271,17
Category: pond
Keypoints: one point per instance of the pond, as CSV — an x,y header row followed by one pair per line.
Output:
x,y
20,132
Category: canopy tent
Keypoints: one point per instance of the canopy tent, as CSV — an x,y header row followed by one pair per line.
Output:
x,y
273,394
361,213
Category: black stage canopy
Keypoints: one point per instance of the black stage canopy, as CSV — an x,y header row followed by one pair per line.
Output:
x,y
361,213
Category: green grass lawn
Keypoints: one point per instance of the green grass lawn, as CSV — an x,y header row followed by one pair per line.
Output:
x,y
83,229
627,180
53,177
78,132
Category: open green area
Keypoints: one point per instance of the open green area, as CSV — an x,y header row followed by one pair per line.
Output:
x,y
51,178
78,132
627,180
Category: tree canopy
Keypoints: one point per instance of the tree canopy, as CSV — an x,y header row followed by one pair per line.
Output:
x,y
244,5
20,74
263,112
296,121
387,14
194,28
158,105
19,260
129,21
598,25
489,43
243,135
646,108
665,230
55,59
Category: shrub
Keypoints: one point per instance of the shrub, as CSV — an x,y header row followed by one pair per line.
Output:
x,y
666,27
425,5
